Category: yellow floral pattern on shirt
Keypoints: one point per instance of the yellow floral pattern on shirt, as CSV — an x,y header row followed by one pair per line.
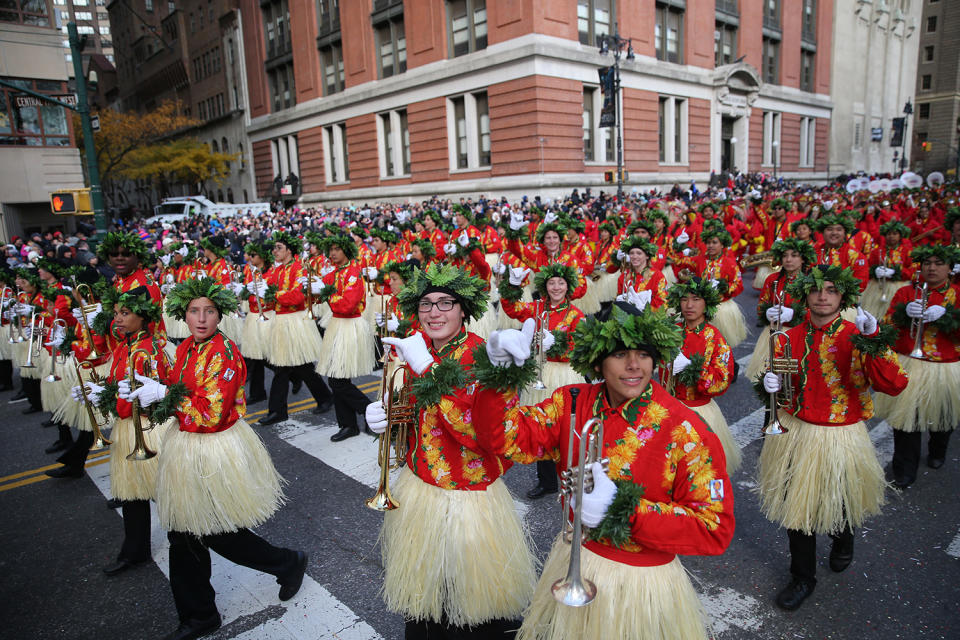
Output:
x,y
688,448
430,443
207,387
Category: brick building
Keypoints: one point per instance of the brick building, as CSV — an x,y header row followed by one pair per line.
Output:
x,y
388,98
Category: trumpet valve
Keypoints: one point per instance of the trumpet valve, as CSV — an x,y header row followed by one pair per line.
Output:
x,y
785,366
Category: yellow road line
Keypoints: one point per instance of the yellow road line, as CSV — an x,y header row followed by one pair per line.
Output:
x,y
30,472
26,481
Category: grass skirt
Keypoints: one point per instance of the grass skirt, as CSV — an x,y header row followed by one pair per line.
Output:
x,y
347,349
931,401
670,276
487,323
759,364
256,334
134,479
463,553
211,483
294,340
607,286
850,314
818,479
232,326
555,375
72,413
632,602
371,308
175,328
324,314
712,415
41,363
590,302
730,322
53,393
763,272
870,299
6,349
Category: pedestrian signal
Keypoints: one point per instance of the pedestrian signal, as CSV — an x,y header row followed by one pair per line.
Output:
x,y
71,202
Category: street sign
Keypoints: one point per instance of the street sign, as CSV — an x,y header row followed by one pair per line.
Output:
x,y
876,134
30,101
95,121
71,202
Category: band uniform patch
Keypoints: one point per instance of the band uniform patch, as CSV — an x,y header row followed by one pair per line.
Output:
x,y
716,490
229,373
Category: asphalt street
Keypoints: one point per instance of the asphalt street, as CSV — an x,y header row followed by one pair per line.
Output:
x,y
58,534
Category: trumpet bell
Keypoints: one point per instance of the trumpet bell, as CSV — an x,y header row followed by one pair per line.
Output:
x,y
382,501
774,428
574,593
917,353
141,452
52,378
100,442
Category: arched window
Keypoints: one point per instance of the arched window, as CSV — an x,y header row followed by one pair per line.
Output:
x,y
243,159
215,147
230,196
219,195
224,145
245,197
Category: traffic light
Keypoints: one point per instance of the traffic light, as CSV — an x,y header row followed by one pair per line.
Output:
x,y
608,177
71,202
926,146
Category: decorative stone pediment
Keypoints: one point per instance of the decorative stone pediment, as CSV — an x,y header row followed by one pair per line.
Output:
x,y
737,86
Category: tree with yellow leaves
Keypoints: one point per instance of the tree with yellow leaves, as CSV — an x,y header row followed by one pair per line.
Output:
x,y
185,160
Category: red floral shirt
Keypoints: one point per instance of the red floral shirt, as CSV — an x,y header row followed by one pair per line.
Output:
x,y
774,286
937,345
845,256
535,257
120,365
563,317
349,299
717,371
284,277
214,374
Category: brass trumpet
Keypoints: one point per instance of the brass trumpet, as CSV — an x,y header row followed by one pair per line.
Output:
x,y
35,343
17,321
542,324
310,278
401,416
88,304
916,324
256,281
785,367
99,440
574,590
140,449
6,295
764,258
61,324
883,281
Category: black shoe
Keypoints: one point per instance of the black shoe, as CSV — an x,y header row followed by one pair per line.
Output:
x,y
934,463
49,423
344,433
59,445
794,594
192,629
289,588
272,418
539,491
31,409
323,407
902,482
841,554
120,566
297,386
65,472
254,399
114,503
20,397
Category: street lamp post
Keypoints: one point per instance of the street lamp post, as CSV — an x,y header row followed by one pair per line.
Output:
x,y
607,43
776,157
907,110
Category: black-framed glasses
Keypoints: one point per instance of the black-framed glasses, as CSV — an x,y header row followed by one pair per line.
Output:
x,y
446,304
116,254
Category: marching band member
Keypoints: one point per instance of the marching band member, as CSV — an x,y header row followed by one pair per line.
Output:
x,y
256,333
215,479
703,369
215,251
29,302
666,491
637,274
455,556
132,481
294,342
465,251
606,253
393,320
8,282
890,267
548,249
836,250
348,346
931,359
822,476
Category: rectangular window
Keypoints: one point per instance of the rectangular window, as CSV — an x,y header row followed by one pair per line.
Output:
x,y
83,15
808,30
771,138
43,125
598,141
926,81
331,65
282,88
928,54
588,112
31,12
931,24
857,132
771,61
668,33
725,43
771,14
328,16
392,45
923,111
672,130
807,69
594,18
808,140
395,144
148,5
336,161
276,26
466,26
468,131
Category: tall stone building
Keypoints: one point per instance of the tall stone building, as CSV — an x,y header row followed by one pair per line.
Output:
x,y
368,99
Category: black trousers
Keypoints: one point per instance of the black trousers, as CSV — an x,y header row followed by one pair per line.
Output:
x,y
31,388
490,630
907,446
281,383
348,401
803,552
255,375
547,474
6,373
136,531
76,455
193,594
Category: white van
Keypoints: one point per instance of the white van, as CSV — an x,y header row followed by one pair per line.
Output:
x,y
175,209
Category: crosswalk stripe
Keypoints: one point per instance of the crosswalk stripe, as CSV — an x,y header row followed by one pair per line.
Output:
x,y
954,548
314,613
729,609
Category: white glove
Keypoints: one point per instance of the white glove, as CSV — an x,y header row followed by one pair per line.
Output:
x,y
687,252
393,323
78,314
169,279
596,503
933,313
865,322
463,240
372,273
413,350
714,283
316,286
24,309
785,313
517,222
326,271
771,382
683,238
517,274
379,319
621,256
183,251
449,248
639,299
508,345
165,259
550,218
914,309
151,391
235,287
27,332
548,340
884,272
956,269
11,314
680,363
376,417
166,288
501,268
93,392
260,289
56,339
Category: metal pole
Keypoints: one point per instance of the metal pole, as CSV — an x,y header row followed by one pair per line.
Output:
x,y
616,106
83,109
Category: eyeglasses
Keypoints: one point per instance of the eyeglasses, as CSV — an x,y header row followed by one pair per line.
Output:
x,y
125,254
446,304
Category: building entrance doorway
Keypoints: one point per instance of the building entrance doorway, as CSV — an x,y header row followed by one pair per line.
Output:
x,y
727,143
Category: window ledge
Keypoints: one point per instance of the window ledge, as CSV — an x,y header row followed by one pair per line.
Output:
x,y
471,169
338,184
400,177
594,163
674,164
